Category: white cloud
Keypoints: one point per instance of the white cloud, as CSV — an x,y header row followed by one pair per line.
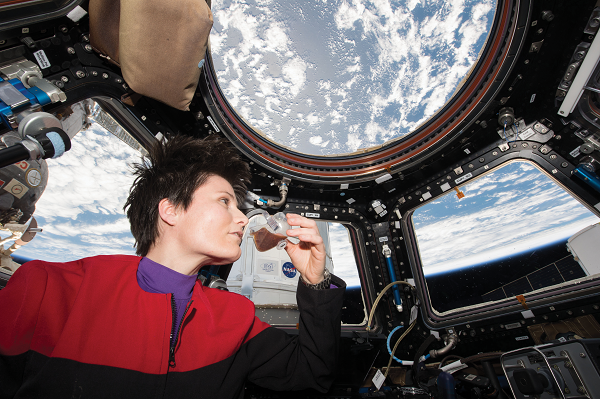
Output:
x,y
344,63
497,218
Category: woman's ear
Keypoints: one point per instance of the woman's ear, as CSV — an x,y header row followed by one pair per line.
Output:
x,y
168,212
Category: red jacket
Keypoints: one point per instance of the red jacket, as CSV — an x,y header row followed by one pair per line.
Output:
x,y
86,329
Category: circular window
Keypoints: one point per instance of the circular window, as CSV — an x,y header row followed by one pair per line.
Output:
x,y
337,77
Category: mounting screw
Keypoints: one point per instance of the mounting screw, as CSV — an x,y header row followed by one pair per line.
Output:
x,y
64,79
88,48
547,15
105,75
64,29
582,355
71,50
94,73
119,80
85,38
80,74
59,84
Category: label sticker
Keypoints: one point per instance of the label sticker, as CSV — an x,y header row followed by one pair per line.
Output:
x,y
532,99
522,338
267,267
34,177
350,200
575,153
289,270
463,178
383,239
511,326
23,165
413,314
313,215
214,125
378,379
470,377
526,134
41,59
16,188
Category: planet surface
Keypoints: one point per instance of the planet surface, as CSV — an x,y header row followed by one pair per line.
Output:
x,y
336,77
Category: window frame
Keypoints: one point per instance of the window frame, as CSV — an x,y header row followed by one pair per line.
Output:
x,y
574,289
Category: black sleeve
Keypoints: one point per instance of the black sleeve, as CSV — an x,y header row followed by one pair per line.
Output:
x,y
279,361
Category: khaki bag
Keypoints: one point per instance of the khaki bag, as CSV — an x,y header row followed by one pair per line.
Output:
x,y
158,44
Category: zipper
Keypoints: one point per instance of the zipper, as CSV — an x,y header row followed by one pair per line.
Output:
x,y
173,332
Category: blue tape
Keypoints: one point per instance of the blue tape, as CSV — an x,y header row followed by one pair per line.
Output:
x,y
57,143
388,343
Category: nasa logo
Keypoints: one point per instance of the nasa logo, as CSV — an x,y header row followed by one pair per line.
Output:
x,y
267,267
289,270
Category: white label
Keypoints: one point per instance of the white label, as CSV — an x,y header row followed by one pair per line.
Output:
x,y
463,178
41,59
532,99
383,178
562,339
350,200
397,224
383,239
575,153
344,186
526,134
511,326
378,379
426,196
214,125
467,151
413,314
523,338
470,377
76,14
312,215
527,314
445,187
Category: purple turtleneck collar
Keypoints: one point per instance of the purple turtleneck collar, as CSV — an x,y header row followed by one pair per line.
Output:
x,y
158,279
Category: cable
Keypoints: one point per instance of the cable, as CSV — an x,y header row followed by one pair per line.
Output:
x,y
387,369
387,287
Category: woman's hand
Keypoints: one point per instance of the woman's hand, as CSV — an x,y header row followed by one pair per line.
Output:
x,y
309,255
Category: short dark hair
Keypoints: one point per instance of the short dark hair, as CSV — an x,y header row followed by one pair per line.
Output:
x,y
174,169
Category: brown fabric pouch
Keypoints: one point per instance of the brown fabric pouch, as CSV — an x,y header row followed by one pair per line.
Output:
x,y
157,43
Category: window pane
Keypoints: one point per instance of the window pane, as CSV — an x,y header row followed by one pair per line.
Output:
x,y
270,279
506,237
333,77
81,209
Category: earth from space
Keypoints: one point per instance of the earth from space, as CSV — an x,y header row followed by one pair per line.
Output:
x,y
333,77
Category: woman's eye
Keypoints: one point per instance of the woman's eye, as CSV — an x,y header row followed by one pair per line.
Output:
x,y
225,201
